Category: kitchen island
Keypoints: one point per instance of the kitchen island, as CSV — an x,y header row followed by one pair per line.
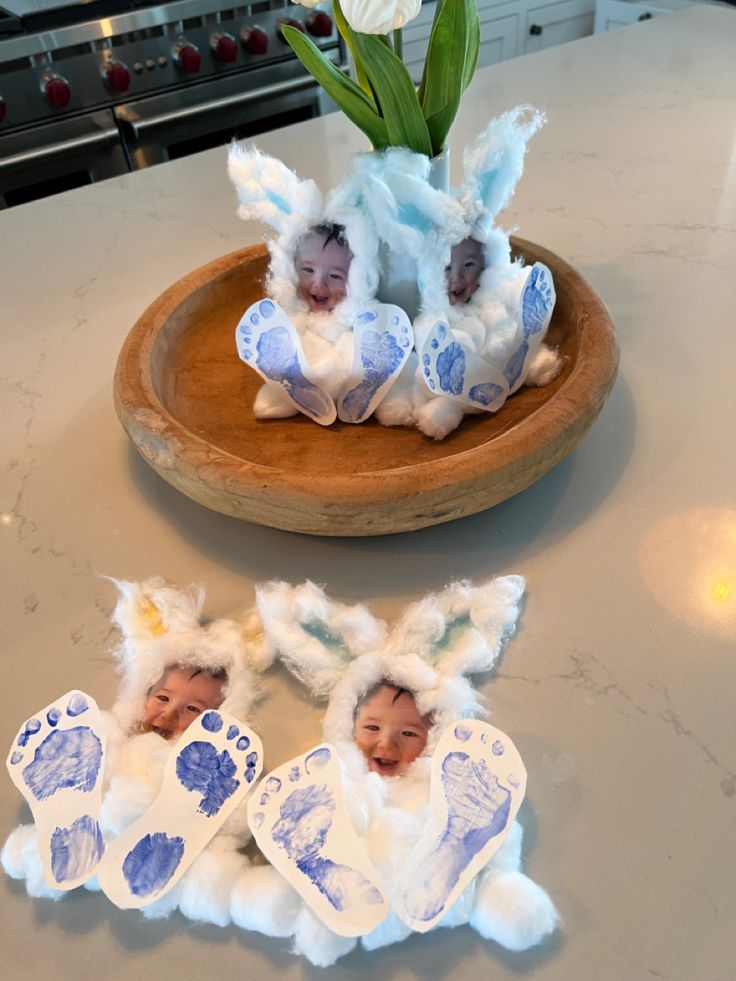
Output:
x,y
618,686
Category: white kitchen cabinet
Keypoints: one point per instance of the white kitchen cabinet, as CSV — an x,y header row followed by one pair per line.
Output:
x,y
545,24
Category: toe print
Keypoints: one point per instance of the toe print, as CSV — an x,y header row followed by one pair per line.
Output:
x,y
212,768
478,784
56,762
301,824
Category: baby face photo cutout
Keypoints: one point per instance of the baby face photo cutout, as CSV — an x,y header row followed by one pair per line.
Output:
x,y
407,810
319,340
129,801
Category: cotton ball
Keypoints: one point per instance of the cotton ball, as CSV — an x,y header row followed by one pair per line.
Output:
x,y
317,942
21,860
391,931
208,884
513,910
262,900
271,403
439,417
545,366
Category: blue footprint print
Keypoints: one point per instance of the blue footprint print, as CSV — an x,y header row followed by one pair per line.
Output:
x,y
383,339
293,819
211,770
537,300
483,782
268,342
56,762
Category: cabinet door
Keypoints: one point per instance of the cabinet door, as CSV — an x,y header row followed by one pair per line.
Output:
x,y
499,27
547,24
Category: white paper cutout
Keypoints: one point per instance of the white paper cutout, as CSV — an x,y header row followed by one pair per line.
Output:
x,y
382,341
478,784
213,767
300,822
57,761
451,369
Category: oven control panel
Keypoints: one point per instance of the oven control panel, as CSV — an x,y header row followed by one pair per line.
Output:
x,y
121,67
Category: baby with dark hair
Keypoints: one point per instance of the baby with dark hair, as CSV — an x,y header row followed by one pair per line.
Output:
x,y
323,260
389,730
180,695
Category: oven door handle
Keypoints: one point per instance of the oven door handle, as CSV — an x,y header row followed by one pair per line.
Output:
x,y
140,126
102,138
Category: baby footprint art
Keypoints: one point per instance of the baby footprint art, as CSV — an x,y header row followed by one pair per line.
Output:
x,y
382,342
478,784
536,305
450,369
212,768
56,762
268,342
300,822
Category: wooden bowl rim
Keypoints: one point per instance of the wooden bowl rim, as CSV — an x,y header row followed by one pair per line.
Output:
x,y
581,394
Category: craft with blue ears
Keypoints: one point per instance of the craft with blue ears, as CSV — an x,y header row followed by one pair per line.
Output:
x,y
483,316
156,786
320,341
404,818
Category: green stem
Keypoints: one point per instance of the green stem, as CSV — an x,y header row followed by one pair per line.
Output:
x,y
399,43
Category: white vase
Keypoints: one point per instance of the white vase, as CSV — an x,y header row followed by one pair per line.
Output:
x,y
398,282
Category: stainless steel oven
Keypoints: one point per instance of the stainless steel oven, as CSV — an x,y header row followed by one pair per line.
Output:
x,y
91,90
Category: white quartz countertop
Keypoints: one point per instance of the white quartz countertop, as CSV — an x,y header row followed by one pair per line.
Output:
x,y
618,687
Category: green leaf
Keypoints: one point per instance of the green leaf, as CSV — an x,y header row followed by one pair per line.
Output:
x,y
344,29
395,93
358,107
452,55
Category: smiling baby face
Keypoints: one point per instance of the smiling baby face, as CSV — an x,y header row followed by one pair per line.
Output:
x,y
463,273
179,696
389,730
322,264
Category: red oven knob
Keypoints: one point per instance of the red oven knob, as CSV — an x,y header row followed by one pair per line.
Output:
x,y
57,90
255,39
224,47
188,58
117,76
289,22
3,110
319,24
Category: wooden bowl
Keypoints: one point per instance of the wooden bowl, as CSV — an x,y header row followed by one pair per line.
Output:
x,y
186,399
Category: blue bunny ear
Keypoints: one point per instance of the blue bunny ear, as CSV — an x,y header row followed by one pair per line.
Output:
x,y
409,214
494,162
269,192
462,629
316,637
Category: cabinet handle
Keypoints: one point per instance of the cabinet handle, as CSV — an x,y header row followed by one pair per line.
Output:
x,y
646,16
535,29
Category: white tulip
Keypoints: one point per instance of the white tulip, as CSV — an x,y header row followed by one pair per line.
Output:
x,y
379,16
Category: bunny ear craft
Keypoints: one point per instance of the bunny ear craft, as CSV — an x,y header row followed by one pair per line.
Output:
x,y
269,192
493,164
160,627
413,218
462,629
317,638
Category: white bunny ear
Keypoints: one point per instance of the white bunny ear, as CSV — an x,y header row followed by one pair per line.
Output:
x,y
462,629
269,192
316,637
493,164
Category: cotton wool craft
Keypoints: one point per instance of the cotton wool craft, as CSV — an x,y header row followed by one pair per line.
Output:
x,y
156,824
362,357
379,858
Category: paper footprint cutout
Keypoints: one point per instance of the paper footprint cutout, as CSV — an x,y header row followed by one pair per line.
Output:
x,y
57,762
214,766
268,342
450,369
478,784
300,822
536,304
382,342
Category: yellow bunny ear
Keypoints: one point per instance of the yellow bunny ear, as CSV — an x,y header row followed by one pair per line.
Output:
x,y
151,616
